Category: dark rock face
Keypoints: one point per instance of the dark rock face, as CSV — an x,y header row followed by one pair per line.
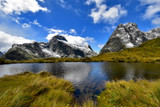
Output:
x,y
128,36
65,50
1,54
56,47
115,43
24,51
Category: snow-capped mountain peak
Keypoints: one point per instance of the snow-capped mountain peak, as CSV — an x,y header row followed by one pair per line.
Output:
x,y
58,46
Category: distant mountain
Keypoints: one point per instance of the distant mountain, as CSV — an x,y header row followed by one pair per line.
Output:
x,y
58,46
128,36
1,54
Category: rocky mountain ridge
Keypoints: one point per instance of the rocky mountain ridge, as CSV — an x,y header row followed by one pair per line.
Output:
x,y
128,36
1,54
58,47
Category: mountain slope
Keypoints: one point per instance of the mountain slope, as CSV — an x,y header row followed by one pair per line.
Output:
x,y
1,54
58,46
148,52
128,36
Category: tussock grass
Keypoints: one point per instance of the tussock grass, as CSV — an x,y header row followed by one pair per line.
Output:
x,y
35,90
88,103
43,90
130,94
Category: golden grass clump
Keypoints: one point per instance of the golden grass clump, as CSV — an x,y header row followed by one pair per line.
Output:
x,y
35,90
130,94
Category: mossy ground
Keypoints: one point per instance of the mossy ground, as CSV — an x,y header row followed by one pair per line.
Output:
x,y
130,94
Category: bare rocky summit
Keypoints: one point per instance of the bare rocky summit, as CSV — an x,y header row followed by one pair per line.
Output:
x,y
128,36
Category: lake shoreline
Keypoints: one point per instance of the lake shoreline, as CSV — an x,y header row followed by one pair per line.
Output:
x,y
137,93
57,60
88,79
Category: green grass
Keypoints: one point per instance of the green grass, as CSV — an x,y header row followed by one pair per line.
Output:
x,y
148,52
37,90
130,94
46,60
43,90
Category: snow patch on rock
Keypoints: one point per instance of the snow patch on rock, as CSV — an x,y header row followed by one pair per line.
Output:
x,y
129,45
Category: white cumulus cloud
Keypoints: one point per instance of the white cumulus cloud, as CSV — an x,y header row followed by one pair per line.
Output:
x,y
152,10
156,21
103,13
7,40
100,45
42,0
55,31
98,2
73,31
21,6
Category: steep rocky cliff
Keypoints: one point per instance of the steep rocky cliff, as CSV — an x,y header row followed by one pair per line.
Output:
x,y
58,46
128,36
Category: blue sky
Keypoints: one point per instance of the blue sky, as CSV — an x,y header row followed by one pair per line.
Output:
x,y
93,20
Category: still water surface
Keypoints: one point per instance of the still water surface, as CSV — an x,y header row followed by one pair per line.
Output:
x,y
88,78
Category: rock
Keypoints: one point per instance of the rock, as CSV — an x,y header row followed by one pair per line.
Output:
x,y
58,46
128,36
1,54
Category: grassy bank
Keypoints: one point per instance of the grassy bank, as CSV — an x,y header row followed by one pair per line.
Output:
x,y
130,94
42,90
148,52
46,60
36,90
